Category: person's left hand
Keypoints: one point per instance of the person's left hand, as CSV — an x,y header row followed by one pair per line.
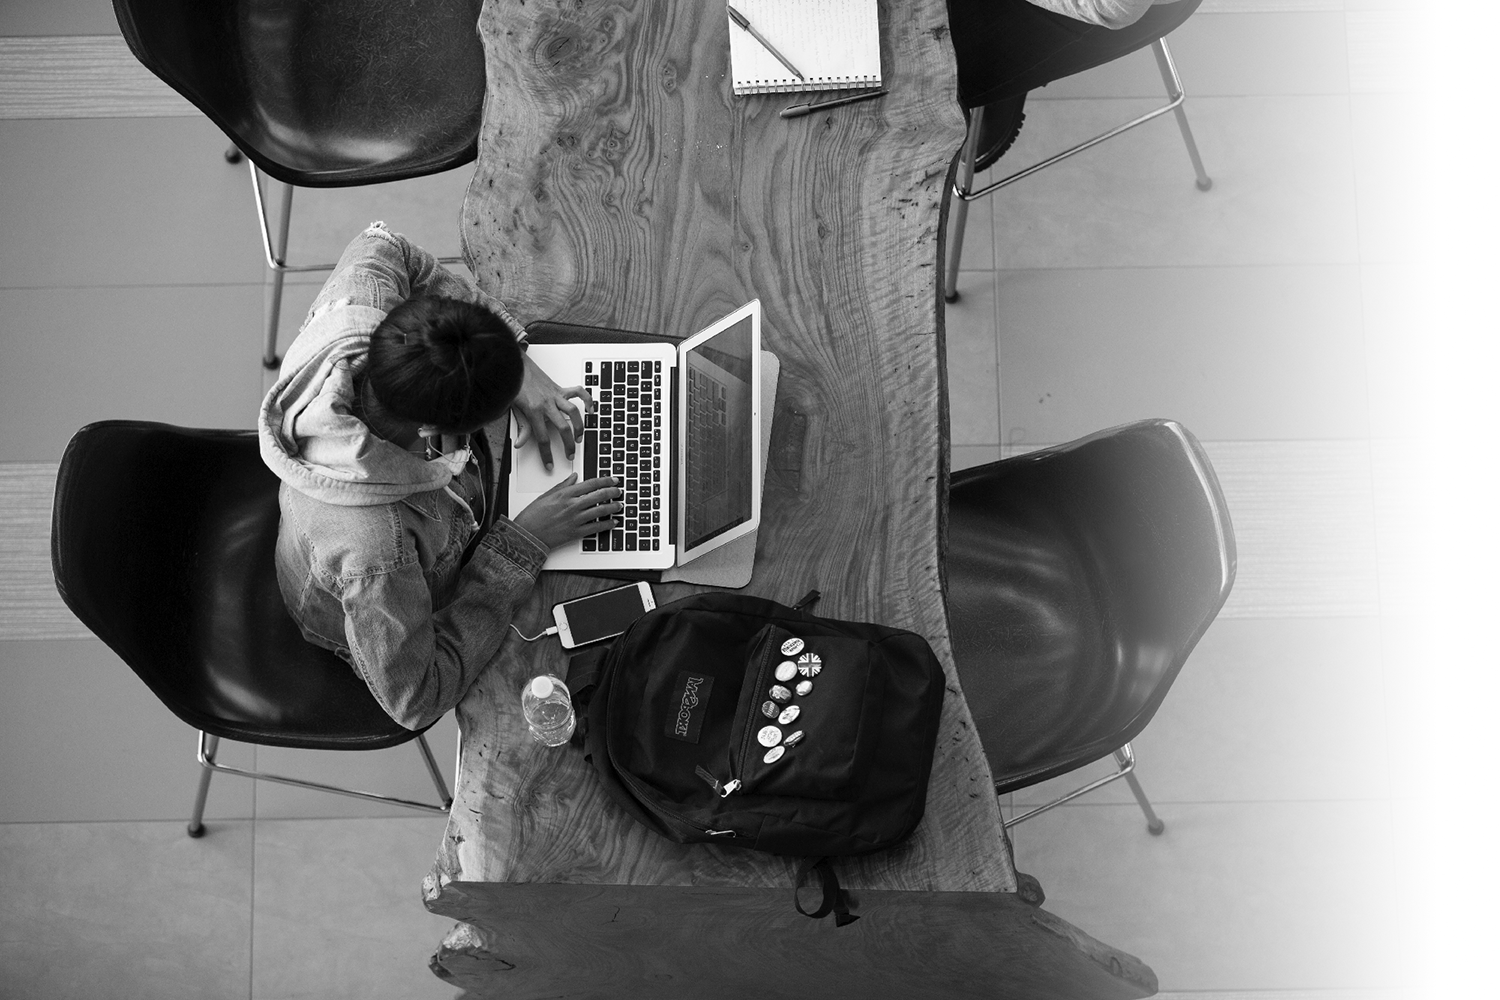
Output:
x,y
542,405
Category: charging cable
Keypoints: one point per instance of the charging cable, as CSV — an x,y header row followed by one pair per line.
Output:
x,y
534,638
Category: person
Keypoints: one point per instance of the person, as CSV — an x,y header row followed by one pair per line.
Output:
x,y
1007,48
390,551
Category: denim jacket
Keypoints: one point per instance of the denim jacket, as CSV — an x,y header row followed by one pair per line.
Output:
x,y
370,551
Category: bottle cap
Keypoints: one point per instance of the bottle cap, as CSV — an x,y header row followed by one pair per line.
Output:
x,y
541,687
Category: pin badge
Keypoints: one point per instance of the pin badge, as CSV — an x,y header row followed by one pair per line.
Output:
x,y
794,739
810,664
770,710
791,647
785,671
769,736
779,693
804,687
773,755
789,715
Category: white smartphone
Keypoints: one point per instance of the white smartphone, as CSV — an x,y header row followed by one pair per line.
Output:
x,y
603,615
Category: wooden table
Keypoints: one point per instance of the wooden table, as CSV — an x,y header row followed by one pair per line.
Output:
x,y
620,184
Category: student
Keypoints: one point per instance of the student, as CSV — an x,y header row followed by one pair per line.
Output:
x,y
390,551
1006,48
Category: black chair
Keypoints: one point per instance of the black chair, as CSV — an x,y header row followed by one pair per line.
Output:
x,y
1078,580
1151,30
321,93
163,544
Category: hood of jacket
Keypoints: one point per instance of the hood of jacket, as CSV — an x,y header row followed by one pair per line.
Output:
x,y
308,434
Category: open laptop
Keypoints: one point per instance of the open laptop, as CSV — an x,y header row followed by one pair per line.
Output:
x,y
679,423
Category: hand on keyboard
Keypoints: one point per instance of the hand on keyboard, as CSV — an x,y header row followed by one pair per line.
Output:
x,y
542,405
572,510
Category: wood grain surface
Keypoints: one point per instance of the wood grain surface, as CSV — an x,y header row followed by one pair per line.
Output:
x,y
692,942
620,184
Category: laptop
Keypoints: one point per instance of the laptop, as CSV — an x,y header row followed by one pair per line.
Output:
x,y
679,423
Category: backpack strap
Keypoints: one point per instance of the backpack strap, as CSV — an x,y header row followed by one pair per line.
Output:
x,y
584,671
835,896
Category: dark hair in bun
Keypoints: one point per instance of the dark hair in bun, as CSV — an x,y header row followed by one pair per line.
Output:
x,y
455,365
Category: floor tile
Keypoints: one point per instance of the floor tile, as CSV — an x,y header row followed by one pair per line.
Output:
x,y
397,771
1263,710
338,910
424,209
1391,149
966,456
1229,55
1234,353
124,911
1281,194
83,202
185,355
58,17
1305,527
84,739
973,379
1258,896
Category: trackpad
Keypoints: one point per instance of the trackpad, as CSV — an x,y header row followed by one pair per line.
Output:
x,y
527,469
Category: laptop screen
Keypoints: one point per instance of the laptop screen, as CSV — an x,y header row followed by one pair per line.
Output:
x,y
719,426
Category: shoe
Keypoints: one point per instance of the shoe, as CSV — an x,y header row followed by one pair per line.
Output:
x,y
997,132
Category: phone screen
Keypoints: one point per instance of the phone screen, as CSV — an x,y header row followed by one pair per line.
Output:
x,y
600,616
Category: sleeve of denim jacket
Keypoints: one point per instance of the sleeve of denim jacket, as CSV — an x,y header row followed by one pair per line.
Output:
x,y
418,662
1106,13
382,269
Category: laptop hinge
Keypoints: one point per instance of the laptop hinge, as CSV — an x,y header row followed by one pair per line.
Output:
x,y
679,429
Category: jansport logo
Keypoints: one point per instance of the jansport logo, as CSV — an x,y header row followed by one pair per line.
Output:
x,y
689,702
689,705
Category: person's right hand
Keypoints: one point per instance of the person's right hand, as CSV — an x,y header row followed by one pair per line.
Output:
x,y
572,510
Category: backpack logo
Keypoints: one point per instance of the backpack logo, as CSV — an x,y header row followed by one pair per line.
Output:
x,y
689,705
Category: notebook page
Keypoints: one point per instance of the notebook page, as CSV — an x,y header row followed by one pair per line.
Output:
x,y
835,44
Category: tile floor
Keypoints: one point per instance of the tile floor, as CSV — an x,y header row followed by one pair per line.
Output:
x,y
1267,315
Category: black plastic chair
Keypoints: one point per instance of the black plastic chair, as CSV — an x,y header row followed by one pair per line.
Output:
x,y
163,544
321,93
1151,30
1078,580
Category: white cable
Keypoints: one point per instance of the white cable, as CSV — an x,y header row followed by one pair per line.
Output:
x,y
539,635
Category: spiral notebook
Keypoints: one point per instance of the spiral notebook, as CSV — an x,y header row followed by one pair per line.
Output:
x,y
834,43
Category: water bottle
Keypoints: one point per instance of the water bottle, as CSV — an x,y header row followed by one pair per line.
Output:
x,y
548,708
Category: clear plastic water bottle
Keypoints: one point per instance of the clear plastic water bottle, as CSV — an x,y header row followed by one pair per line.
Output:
x,y
548,708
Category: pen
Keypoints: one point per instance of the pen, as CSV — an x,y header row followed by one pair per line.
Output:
x,y
794,110
744,22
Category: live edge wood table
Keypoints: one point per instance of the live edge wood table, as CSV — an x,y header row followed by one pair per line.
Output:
x,y
621,184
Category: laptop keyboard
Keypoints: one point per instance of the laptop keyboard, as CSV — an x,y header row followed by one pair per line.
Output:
x,y
624,439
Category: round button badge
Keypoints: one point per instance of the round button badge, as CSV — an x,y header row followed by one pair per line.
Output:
x,y
789,715
804,687
810,664
770,710
785,671
769,736
773,754
792,646
779,693
793,739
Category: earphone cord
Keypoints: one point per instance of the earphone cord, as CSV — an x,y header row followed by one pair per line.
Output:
x,y
534,638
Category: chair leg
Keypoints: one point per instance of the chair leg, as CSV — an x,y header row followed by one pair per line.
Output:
x,y
269,357
1174,90
207,747
432,769
959,212
1154,824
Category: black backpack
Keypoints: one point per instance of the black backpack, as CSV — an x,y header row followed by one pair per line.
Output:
x,y
677,718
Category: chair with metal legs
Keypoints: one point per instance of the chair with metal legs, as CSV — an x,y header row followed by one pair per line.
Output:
x,y
965,192
163,545
321,93
1079,579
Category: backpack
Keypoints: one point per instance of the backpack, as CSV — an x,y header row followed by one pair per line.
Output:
x,y
695,733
